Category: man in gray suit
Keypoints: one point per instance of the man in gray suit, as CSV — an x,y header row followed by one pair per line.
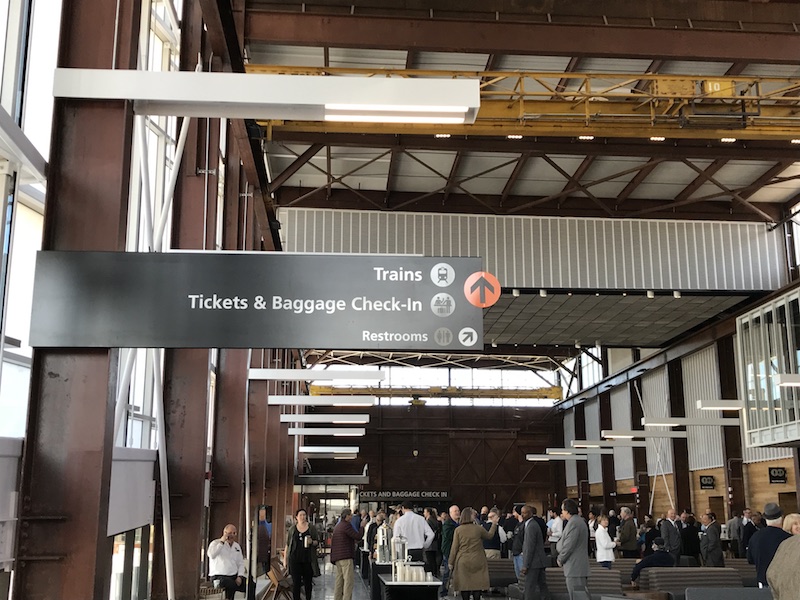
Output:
x,y
534,560
572,553
672,535
710,543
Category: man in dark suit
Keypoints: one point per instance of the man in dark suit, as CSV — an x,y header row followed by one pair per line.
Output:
x,y
572,553
534,560
710,542
672,536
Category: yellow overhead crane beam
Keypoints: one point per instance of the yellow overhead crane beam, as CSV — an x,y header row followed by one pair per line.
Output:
x,y
553,393
594,104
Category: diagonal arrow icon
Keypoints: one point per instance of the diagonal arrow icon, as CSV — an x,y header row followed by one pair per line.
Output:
x,y
484,285
468,337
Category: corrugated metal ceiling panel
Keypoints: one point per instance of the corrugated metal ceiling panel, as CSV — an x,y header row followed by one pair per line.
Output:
x,y
450,61
273,54
357,58
411,176
693,67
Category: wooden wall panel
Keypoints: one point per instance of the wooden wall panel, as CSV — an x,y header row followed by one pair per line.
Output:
x,y
759,490
477,454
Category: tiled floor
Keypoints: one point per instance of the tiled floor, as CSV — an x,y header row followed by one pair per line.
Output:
x,y
323,585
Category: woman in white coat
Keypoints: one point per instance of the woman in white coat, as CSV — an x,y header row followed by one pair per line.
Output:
x,y
605,545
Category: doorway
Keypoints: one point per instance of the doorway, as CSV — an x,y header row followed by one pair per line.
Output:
x,y
788,502
717,505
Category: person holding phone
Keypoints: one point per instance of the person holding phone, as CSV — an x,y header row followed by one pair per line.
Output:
x,y
226,565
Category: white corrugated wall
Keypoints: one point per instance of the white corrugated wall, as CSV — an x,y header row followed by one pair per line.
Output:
x,y
701,382
655,399
621,419
569,435
561,252
618,359
592,417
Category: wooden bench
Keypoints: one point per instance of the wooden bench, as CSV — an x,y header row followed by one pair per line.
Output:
x,y
675,580
501,572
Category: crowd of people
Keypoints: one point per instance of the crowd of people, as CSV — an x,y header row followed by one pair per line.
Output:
x,y
457,545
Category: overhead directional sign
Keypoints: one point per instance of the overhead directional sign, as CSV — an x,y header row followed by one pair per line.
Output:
x,y
482,289
254,300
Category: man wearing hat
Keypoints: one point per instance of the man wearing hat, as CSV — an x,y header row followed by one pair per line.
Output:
x,y
659,558
764,543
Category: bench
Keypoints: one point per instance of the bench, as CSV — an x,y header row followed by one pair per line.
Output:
x,y
728,594
501,572
601,582
675,582
746,570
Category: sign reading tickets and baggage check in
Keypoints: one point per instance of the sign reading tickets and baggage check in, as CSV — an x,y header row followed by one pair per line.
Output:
x,y
259,300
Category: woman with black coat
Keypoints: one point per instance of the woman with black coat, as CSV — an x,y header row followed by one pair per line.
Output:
x,y
301,554
433,554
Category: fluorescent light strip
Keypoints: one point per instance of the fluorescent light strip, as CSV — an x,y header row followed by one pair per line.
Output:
x,y
355,419
313,375
608,444
568,451
720,405
409,118
329,449
650,433
334,431
331,455
390,108
320,400
547,457
687,422
787,380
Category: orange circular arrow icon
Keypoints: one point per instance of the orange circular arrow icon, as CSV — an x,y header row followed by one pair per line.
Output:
x,y
482,289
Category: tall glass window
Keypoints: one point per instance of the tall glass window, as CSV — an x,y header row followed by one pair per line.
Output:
x,y
768,348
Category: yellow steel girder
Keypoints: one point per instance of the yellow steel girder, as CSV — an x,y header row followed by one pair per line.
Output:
x,y
604,105
553,393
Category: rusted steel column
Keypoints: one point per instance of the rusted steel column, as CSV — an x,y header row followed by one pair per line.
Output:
x,y
62,549
607,460
262,462
227,472
186,371
641,480
680,446
582,466
732,436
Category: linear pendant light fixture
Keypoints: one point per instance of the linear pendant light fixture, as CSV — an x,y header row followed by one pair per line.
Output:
x,y
278,400
333,456
650,433
546,457
333,418
686,422
329,449
720,405
608,444
328,431
313,375
285,97
570,451
787,380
